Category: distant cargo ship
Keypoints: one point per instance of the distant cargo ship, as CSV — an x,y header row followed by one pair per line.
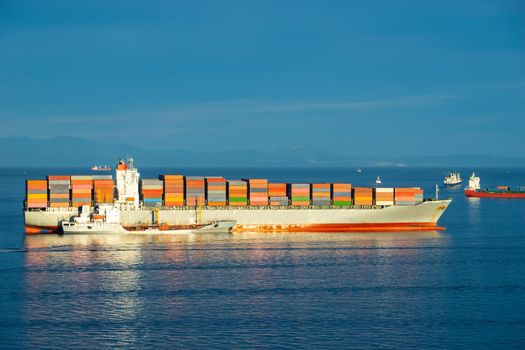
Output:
x,y
474,190
452,179
100,168
253,204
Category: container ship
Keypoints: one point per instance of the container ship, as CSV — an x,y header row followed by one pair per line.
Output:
x,y
474,190
252,204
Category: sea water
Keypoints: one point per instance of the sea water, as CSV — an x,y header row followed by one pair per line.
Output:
x,y
459,288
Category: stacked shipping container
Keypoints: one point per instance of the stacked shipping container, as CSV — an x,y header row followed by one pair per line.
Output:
x,y
103,191
321,194
384,196
195,191
36,193
299,193
81,190
102,177
408,196
341,194
258,191
237,192
173,190
363,196
151,191
419,195
216,191
176,191
59,186
277,194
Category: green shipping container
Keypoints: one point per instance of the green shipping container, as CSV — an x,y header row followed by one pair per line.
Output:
x,y
301,199
343,203
238,199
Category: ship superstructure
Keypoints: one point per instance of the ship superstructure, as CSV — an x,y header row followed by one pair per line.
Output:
x,y
474,182
127,186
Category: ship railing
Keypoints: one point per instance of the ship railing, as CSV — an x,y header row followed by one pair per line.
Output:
x,y
259,207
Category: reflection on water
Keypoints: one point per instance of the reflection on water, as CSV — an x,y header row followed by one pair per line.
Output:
x,y
473,210
222,290
75,289
132,290
52,240
473,204
377,239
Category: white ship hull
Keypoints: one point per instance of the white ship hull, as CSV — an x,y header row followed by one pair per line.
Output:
x,y
421,217
100,227
92,228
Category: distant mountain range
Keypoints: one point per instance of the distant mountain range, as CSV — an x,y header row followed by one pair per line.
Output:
x,y
73,151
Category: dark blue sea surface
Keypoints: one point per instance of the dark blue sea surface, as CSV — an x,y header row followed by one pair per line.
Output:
x,y
459,288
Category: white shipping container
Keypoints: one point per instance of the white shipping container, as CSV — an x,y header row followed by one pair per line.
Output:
x,y
385,190
81,177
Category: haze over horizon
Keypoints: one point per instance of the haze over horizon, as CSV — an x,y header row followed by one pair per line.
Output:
x,y
375,78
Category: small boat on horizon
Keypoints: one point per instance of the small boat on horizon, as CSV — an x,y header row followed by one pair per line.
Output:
x,y
100,168
452,179
378,181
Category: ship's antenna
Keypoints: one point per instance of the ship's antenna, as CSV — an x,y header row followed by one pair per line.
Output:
x,y
437,192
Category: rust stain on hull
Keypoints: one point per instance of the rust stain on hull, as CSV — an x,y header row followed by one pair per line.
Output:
x,y
373,227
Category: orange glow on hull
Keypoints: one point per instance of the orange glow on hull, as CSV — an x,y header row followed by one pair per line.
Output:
x,y
362,227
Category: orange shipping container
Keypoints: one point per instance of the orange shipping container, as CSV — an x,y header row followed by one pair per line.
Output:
x,y
59,204
58,177
277,186
172,177
341,187
301,203
238,204
81,182
37,204
363,201
36,184
59,195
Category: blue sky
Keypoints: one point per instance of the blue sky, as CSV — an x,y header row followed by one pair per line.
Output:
x,y
356,77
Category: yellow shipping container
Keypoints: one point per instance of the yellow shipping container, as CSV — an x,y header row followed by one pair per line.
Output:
x,y
37,196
